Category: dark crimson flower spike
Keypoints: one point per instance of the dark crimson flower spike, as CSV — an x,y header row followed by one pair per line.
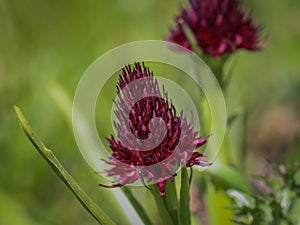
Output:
x,y
218,27
151,116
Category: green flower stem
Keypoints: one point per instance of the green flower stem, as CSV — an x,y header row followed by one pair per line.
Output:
x,y
191,38
62,173
171,201
184,202
217,67
162,210
137,206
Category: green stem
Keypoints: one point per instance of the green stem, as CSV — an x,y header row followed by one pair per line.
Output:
x,y
62,173
137,206
184,202
162,210
171,201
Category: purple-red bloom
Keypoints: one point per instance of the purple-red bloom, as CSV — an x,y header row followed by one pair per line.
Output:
x,y
134,157
218,27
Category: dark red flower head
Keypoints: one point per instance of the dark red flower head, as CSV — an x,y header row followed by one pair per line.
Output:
x,y
218,26
153,141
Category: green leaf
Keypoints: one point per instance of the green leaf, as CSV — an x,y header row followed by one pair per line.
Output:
x,y
171,201
62,173
162,209
137,206
184,201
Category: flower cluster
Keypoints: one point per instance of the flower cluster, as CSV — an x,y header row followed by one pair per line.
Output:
x,y
133,158
218,27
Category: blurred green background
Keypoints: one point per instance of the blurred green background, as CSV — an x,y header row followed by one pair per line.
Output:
x,y
45,46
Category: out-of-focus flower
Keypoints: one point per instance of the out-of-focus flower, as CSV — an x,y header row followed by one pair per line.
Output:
x,y
218,27
132,157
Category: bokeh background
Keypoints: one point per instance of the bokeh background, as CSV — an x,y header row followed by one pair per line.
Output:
x,y
45,47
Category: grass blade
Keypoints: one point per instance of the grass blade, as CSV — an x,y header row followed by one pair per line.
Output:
x,y
62,173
